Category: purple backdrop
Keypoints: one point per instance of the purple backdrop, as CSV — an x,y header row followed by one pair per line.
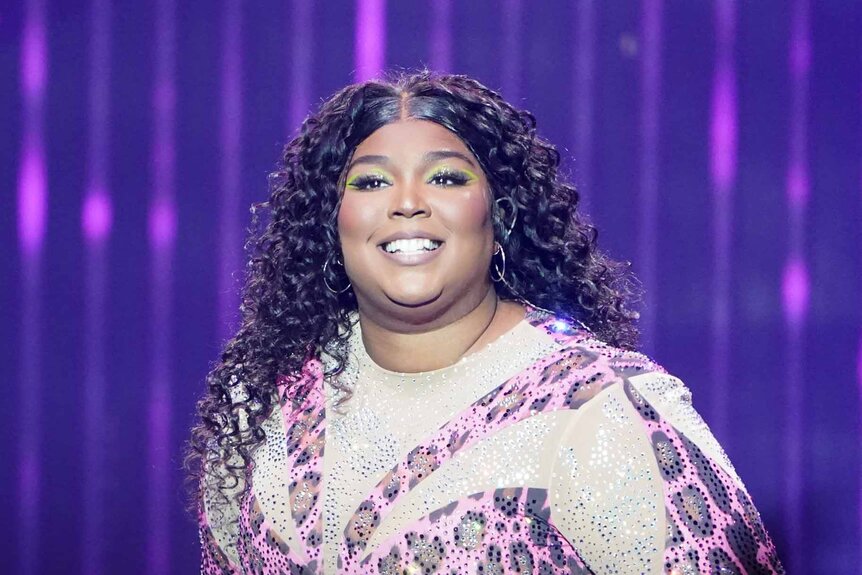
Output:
x,y
718,146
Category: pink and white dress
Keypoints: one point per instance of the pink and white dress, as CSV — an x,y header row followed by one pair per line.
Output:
x,y
548,451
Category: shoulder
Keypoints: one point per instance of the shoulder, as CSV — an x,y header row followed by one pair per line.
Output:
x,y
641,444
582,366
579,358
670,405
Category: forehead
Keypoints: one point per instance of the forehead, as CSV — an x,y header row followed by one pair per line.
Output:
x,y
409,137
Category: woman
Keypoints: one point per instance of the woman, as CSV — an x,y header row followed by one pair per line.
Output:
x,y
436,369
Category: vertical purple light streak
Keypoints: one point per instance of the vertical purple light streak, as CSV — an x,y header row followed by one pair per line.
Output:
x,y
32,208
441,35
583,81
301,46
723,127
96,227
859,433
795,282
162,231
231,161
648,201
512,16
370,38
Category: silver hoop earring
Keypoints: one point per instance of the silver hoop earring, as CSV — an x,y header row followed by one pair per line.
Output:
x,y
502,253
514,213
326,283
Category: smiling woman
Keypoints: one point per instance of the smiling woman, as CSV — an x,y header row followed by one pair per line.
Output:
x,y
437,369
417,238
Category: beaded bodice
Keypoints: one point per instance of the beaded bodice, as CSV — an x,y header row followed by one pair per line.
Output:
x,y
547,451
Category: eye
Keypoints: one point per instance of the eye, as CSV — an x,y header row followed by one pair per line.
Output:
x,y
367,182
449,178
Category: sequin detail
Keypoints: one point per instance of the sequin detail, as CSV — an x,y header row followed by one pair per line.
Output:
x,y
504,529
673,398
608,491
711,525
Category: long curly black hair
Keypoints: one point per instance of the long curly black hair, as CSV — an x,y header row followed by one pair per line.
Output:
x,y
288,314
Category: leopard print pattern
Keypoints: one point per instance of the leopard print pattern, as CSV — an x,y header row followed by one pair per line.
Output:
x,y
711,526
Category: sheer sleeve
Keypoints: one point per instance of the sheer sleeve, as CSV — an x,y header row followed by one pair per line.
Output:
x,y
219,511
640,485
218,548
605,492
672,399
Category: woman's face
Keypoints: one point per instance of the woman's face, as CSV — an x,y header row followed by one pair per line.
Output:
x,y
415,179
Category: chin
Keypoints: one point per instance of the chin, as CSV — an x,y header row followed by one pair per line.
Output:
x,y
413,299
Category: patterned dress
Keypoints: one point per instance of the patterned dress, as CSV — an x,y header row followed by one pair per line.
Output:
x,y
548,451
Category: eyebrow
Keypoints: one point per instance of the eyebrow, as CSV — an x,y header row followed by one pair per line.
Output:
x,y
446,154
428,158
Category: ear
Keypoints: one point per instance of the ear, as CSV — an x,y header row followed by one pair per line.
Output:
x,y
505,215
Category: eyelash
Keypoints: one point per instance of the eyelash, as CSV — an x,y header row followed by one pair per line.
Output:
x,y
374,181
457,178
365,182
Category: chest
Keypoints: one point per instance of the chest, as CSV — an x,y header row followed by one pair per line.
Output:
x,y
361,491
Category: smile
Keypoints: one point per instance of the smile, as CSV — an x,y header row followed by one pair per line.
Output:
x,y
413,245
412,252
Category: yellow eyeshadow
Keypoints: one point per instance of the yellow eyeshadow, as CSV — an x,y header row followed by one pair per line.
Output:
x,y
471,174
448,170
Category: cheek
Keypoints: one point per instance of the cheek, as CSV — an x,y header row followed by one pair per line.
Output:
x,y
355,218
469,214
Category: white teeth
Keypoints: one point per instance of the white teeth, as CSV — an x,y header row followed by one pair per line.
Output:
x,y
413,245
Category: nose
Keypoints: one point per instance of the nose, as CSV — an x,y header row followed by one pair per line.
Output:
x,y
408,200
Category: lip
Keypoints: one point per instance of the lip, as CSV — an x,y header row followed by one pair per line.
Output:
x,y
416,259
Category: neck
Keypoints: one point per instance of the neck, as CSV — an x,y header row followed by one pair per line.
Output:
x,y
443,344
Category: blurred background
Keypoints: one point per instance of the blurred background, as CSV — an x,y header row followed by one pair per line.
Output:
x,y
717,146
